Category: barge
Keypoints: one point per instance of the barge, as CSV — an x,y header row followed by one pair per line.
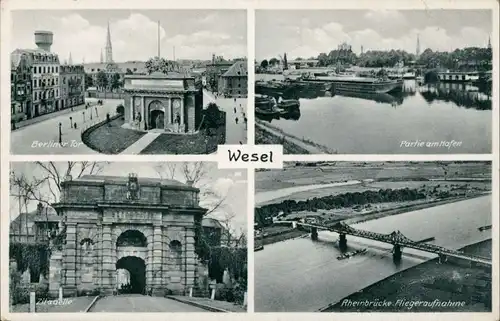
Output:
x,y
361,84
350,254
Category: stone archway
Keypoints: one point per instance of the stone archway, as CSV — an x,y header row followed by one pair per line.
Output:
x,y
136,268
131,255
156,115
157,119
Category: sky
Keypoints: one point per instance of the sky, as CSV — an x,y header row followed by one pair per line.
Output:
x,y
307,33
228,184
196,34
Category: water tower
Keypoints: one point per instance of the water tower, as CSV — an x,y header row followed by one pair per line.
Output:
x,y
43,39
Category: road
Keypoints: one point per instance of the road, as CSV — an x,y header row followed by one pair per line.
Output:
x,y
42,138
300,275
235,132
141,303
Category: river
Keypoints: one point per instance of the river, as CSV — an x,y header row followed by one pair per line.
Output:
x,y
302,275
373,124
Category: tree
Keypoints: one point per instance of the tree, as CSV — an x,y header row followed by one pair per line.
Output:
x,y
285,62
264,64
102,80
89,81
212,116
273,61
128,72
116,81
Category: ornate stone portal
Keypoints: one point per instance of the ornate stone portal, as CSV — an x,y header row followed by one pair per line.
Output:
x,y
144,226
167,102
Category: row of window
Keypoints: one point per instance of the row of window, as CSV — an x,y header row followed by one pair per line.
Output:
x,y
45,69
45,82
46,94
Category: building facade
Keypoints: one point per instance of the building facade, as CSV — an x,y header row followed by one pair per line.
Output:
x,y
215,70
144,226
44,66
168,102
233,83
20,87
72,85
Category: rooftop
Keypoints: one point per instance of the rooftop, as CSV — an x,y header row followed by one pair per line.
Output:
x,y
238,69
124,180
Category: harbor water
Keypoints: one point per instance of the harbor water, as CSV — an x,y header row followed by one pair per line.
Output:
x,y
422,119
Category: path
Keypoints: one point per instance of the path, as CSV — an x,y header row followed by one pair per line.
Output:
x,y
42,138
215,305
142,143
310,148
141,303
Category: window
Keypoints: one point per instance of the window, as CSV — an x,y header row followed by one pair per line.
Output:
x,y
176,252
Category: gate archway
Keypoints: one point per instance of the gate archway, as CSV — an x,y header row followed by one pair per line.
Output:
x,y
136,268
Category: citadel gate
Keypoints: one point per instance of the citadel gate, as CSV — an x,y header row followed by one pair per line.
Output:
x,y
126,231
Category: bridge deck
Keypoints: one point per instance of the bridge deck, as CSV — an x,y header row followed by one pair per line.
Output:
x,y
393,238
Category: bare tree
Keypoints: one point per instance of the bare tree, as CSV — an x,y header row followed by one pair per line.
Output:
x,y
45,186
194,173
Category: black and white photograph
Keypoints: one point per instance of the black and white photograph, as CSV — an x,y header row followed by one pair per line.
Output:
x,y
127,237
374,237
374,81
127,81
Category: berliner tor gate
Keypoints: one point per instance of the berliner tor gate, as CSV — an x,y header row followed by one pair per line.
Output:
x,y
126,230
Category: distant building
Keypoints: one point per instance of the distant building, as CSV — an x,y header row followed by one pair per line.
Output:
x,y
303,63
121,68
344,46
72,85
34,226
233,83
215,70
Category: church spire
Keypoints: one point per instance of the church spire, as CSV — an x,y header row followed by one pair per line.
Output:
x,y
417,52
70,61
101,60
489,42
109,49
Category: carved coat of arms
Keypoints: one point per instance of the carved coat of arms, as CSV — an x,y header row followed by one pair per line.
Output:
x,y
132,187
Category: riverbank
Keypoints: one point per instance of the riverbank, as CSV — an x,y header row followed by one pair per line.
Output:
x,y
267,134
469,287
286,233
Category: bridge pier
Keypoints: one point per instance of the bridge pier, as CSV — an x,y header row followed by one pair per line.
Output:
x,y
397,252
314,233
342,240
442,258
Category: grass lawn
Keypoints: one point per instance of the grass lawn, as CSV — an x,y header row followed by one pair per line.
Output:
x,y
187,144
114,139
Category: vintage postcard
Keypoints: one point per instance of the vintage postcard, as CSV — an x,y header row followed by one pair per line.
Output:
x,y
250,160
127,237
127,81
374,237
374,82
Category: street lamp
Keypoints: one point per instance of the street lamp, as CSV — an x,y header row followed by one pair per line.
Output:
x,y
90,113
71,122
60,133
83,115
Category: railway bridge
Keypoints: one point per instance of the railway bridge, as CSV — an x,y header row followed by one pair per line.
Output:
x,y
396,238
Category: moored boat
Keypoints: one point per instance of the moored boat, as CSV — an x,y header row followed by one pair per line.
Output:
x,y
259,247
362,84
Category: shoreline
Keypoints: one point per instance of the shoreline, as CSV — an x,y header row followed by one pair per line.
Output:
x,y
433,273
294,233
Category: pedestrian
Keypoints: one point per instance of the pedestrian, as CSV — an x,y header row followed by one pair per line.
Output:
x,y
235,110
236,120
245,120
